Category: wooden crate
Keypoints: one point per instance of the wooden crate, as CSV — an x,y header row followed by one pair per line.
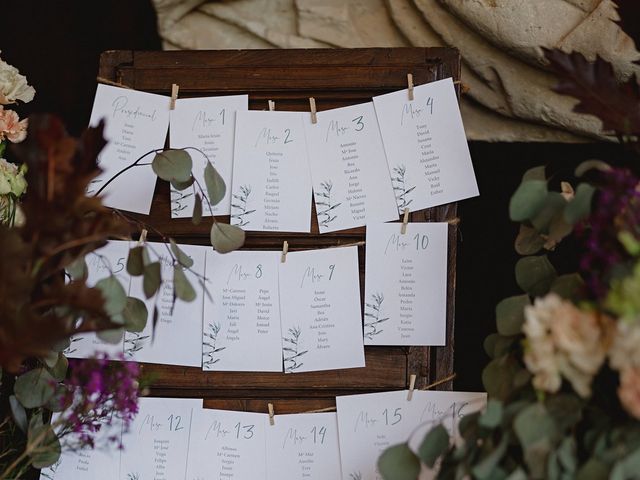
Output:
x,y
336,78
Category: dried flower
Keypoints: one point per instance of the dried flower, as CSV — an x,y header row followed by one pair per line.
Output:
x,y
11,127
13,86
563,341
629,391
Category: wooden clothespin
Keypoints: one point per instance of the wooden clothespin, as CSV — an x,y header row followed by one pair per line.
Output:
x,y
174,96
405,221
312,105
285,249
272,105
143,237
410,84
271,414
412,386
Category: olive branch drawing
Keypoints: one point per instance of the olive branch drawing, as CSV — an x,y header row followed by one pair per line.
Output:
x,y
208,357
327,215
133,476
134,342
292,353
70,349
355,476
177,201
50,472
400,188
239,210
372,316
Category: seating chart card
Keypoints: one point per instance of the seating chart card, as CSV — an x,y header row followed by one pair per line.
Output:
x,y
368,424
99,463
271,188
100,264
156,446
320,310
406,284
207,125
136,123
241,328
351,183
176,339
426,146
303,446
227,445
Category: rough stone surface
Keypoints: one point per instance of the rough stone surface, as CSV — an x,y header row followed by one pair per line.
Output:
x,y
510,93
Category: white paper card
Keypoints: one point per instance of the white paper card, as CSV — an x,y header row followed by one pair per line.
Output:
x,y
426,146
351,183
136,123
406,284
320,310
242,317
303,446
271,181
178,332
227,445
369,424
206,124
100,463
156,446
111,258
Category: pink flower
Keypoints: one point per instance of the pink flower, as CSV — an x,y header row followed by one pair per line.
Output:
x,y
11,127
629,391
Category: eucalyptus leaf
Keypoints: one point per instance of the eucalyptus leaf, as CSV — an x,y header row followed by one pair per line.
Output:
x,y
57,402
510,314
534,424
485,468
59,369
45,444
50,359
183,288
115,297
135,261
434,445
569,286
588,165
399,463
183,259
78,269
489,344
553,206
216,187
593,469
226,238
580,207
18,413
135,315
34,388
535,275
196,217
497,376
535,173
112,336
492,416
61,345
528,241
183,185
173,165
152,279
527,200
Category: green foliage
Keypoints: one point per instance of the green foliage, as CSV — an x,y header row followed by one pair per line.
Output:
x,y
590,165
183,259
196,217
34,388
152,279
434,445
135,261
226,238
173,166
569,286
115,297
492,416
216,187
181,285
529,241
44,444
18,413
580,207
510,315
528,199
623,298
135,315
535,275
399,463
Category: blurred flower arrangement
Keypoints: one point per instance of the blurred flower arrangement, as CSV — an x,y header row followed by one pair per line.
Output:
x,y
564,376
45,297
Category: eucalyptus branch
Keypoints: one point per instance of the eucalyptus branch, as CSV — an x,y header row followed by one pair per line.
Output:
x,y
125,169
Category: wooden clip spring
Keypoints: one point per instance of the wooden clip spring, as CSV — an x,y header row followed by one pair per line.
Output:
x,y
272,105
271,414
174,96
412,386
410,85
312,106
285,249
405,221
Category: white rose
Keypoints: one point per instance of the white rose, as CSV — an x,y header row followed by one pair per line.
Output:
x,y
13,86
625,350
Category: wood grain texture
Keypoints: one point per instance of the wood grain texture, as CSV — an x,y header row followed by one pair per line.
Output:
x,y
335,78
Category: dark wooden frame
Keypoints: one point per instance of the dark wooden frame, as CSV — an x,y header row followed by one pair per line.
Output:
x,y
335,77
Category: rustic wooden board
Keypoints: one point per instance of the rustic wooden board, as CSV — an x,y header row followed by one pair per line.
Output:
x,y
336,78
